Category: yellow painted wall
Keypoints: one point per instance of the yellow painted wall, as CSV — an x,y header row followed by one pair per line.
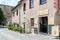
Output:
x,y
43,12
51,21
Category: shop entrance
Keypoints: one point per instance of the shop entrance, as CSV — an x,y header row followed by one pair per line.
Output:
x,y
43,24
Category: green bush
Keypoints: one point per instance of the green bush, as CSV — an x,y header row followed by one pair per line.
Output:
x,y
20,29
10,27
28,30
15,29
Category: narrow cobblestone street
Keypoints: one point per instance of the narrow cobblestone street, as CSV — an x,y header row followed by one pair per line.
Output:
x,y
6,34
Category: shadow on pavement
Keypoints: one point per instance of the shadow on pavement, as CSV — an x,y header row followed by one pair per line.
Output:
x,y
3,26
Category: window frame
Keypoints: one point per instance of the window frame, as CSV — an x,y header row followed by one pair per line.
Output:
x,y
30,4
17,12
24,7
42,3
32,21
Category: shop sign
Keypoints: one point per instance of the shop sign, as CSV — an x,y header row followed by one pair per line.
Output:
x,y
55,30
43,12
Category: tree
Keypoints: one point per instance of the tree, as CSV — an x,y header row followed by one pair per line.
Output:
x,y
1,16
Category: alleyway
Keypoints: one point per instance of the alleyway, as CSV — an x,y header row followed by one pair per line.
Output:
x,y
6,34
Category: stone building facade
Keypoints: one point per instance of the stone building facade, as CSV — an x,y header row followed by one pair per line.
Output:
x,y
38,15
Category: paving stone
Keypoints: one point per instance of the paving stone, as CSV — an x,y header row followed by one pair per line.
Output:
x,y
6,34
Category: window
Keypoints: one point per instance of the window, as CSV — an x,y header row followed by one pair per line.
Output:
x,y
24,8
31,3
24,24
32,21
24,12
8,13
42,1
13,13
17,12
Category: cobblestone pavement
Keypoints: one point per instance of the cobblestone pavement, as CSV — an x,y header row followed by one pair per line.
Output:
x,y
6,34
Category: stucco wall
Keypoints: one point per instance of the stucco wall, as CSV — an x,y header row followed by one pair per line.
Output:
x,y
15,19
33,12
